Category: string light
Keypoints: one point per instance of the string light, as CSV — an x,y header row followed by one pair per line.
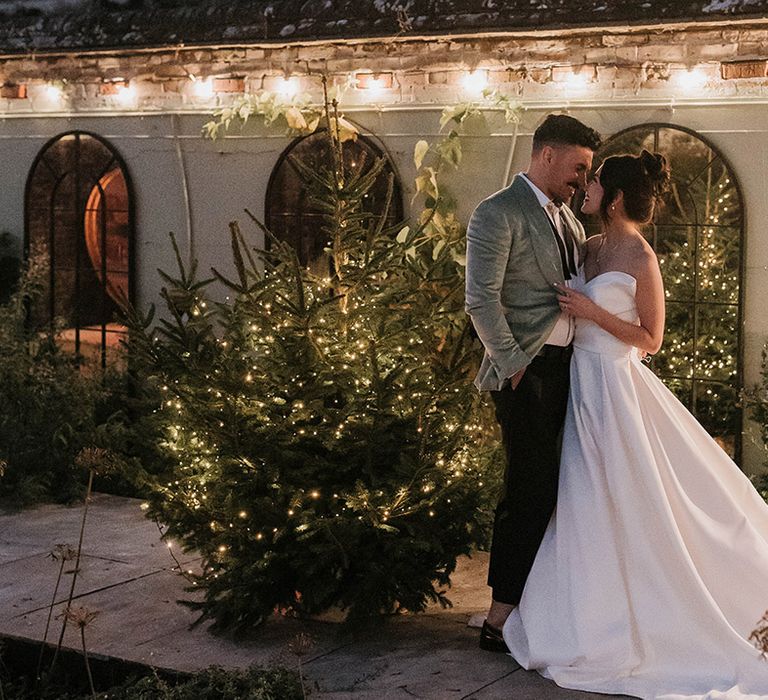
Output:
x,y
126,94
288,87
577,82
373,82
54,93
474,82
202,88
692,79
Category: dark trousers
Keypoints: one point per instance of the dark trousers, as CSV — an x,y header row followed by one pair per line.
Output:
x,y
531,419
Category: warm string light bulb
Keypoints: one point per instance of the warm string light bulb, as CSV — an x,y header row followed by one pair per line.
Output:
x,y
691,79
474,82
202,88
288,87
125,93
54,93
577,82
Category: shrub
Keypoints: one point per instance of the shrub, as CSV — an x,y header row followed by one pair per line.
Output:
x,y
46,404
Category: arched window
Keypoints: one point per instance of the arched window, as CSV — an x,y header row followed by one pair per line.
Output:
x,y
291,216
79,216
698,237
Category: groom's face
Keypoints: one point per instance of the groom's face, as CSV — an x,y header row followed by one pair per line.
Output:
x,y
567,168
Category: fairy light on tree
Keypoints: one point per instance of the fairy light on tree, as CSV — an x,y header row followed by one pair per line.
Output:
x,y
323,422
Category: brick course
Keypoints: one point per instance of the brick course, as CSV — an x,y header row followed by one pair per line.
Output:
x,y
632,61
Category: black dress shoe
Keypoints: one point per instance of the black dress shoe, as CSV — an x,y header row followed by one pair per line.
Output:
x,y
491,639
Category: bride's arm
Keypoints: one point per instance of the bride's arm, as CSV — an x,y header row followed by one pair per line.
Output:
x,y
649,298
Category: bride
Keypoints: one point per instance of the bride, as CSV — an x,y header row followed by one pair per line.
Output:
x,y
654,568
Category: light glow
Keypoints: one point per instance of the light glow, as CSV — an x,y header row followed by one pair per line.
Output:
x,y
125,93
202,88
288,87
475,81
690,80
54,93
373,82
577,82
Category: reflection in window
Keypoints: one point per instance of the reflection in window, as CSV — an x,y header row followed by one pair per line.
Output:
x,y
292,217
697,236
78,217
106,230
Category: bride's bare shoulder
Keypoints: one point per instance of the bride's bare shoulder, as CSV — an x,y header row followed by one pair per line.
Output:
x,y
643,259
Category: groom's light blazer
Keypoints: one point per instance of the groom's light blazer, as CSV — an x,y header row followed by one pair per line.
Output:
x,y
512,264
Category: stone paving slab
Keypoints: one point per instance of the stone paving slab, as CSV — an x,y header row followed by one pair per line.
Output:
x,y
160,634
115,528
127,576
39,575
528,685
425,656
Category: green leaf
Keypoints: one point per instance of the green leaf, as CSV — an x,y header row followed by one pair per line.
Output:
x,y
451,113
419,151
450,150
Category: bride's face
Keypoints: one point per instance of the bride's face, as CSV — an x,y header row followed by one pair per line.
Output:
x,y
593,195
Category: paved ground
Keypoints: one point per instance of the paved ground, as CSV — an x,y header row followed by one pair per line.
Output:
x,y
127,576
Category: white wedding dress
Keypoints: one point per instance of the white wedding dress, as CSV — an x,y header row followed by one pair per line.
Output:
x,y
654,568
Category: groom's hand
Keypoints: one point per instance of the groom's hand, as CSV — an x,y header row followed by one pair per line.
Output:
x,y
515,379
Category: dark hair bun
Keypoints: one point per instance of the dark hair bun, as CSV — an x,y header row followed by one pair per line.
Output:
x,y
642,178
655,166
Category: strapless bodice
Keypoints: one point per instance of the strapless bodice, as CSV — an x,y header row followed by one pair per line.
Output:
x,y
615,292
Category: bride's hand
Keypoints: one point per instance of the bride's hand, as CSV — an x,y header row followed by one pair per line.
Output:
x,y
575,303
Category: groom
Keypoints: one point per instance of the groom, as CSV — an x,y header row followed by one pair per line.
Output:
x,y
520,242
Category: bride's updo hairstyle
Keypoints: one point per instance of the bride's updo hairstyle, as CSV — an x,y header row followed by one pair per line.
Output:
x,y
642,179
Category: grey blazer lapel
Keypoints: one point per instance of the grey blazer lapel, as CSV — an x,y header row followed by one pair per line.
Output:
x,y
542,238
576,229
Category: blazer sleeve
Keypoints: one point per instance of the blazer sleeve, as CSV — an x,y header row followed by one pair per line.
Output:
x,y
489,244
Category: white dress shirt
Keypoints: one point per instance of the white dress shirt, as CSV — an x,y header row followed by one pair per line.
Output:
x,y
562,333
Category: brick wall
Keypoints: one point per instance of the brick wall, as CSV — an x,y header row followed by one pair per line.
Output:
x,y
631,61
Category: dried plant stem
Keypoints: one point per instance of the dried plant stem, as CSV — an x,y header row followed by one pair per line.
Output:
x,y
48,621
87,664
77,568
300,645
301,679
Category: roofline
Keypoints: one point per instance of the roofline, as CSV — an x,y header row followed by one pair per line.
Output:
x,y
550,32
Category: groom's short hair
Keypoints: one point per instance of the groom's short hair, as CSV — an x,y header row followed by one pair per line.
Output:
x,y
562,130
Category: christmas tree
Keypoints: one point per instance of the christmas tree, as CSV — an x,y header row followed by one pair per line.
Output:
x,y
323,424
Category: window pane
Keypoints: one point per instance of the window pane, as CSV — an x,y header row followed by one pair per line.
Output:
x,y
675,358
716,349
675,246
292,217
78,213
719,264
